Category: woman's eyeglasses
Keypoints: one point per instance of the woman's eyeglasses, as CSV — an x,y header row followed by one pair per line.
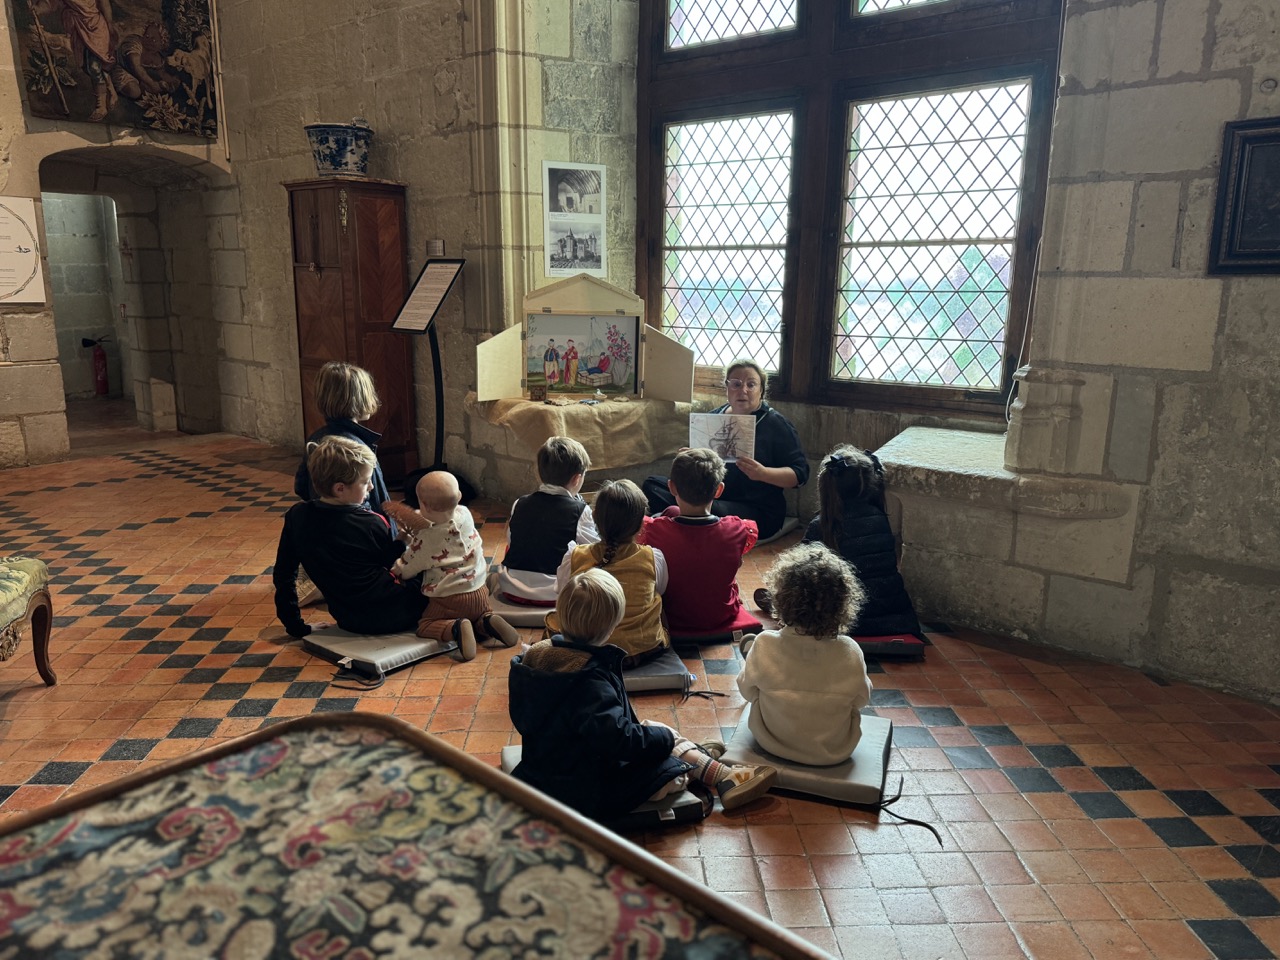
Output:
x,y
739,384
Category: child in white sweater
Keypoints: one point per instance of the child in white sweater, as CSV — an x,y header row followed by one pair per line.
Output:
x,y
807,683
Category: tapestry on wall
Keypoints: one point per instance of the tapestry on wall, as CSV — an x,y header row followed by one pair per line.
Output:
x,y
136,63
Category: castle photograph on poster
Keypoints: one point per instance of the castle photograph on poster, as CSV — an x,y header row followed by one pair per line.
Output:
x,y
581,354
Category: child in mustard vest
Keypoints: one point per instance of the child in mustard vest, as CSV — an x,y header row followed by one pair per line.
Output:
x,y
642,570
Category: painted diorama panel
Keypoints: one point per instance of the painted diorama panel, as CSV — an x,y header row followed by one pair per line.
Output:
x,y
137,63
581,354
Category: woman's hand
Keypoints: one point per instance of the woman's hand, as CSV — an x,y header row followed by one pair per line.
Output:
x,y
753,469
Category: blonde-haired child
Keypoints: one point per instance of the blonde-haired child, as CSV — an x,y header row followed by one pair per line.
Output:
x,y
642,570
347,550
807,682
345,396
582,742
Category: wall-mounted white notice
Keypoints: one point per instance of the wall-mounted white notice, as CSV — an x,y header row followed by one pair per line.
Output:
x,y
21,276
573,200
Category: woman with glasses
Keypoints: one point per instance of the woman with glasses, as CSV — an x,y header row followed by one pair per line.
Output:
x,y
752,486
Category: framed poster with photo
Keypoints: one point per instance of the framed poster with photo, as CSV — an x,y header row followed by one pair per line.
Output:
x,y
574,219
1246,223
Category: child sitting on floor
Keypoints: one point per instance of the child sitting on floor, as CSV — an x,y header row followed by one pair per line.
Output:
x,y
446,549
807,683
347,549
703,551
544,523
642,571
582,742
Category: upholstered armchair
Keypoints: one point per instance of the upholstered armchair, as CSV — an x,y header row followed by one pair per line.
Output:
x,y
24,599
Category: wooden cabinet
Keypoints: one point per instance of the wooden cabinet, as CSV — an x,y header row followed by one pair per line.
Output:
x,y
350,278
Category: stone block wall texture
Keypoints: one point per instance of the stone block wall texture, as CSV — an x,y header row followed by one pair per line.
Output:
x,y
1149,379
76,227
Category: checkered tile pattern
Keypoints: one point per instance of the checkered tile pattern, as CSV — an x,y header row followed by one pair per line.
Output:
x,y
1087,810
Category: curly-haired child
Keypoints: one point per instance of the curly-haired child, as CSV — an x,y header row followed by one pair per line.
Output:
x,y
806,682
582,742
642,570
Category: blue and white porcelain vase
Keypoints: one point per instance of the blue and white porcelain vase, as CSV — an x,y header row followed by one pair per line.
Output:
x,y
340,149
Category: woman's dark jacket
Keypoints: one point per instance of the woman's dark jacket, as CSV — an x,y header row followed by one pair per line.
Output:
x,y
582,742
867,542
777,445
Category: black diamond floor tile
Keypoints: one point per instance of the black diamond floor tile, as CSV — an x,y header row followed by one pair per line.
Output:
x,y
1056,755
336,705
233,646
913,737
1102,805
1179,832
254,660
194,728
1197,803
888,698
995,736
161,646
969,758
183,661
306,689
1246,898
129,750
938,717
1033,779
252,707
1267,827
1230,940
1258,860
203,675
279,674
226,691
1123,778
61,772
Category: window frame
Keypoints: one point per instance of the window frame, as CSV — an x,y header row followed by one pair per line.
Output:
x,y
816,71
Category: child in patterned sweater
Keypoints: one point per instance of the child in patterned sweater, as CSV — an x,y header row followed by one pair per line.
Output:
x,y
446,549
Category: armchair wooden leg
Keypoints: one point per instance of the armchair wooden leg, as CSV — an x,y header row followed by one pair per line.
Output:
x,y
40,616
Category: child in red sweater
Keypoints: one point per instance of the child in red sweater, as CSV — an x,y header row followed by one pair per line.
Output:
x,y
703,552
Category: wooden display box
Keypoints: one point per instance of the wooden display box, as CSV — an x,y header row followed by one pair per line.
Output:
x,y
583,338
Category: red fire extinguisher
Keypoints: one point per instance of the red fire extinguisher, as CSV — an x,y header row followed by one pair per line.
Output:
x,y
100,385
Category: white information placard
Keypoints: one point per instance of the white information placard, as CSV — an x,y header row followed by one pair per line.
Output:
x,y
428,293
21,275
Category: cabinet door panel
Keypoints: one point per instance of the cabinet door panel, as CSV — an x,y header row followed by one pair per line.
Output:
x,y
315,227
380,256
322,327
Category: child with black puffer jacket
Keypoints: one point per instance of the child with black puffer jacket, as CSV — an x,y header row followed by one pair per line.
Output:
x,y
852,522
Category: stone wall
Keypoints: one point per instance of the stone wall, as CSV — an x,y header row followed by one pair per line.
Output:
x,y
1134,512
80,262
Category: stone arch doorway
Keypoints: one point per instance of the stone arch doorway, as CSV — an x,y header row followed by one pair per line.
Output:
x,y
132,233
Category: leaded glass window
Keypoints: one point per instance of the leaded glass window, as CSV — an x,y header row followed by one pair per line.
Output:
x,y
930,216
724,236
693,22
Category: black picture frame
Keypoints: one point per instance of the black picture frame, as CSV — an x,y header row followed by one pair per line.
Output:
x,y
1246,222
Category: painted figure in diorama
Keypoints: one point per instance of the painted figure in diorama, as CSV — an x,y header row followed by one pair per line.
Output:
x,y
601,365
570,365
89,25
551,363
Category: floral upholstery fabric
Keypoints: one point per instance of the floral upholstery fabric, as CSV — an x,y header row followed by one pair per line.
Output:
x,y
338,842
20,578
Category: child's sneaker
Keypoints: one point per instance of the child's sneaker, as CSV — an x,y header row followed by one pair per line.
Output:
x,y
712,748
464,635
498,628
744,783
763,601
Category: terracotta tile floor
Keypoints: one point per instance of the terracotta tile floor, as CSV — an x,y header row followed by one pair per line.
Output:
x,y
1087,810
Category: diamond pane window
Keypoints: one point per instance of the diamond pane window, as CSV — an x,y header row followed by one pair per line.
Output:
x,y
691,22
728,186
876,6
930,215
